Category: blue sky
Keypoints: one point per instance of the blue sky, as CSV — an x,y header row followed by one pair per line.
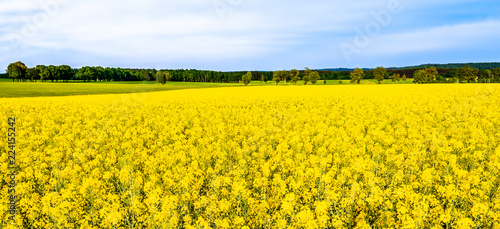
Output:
x,y
248,35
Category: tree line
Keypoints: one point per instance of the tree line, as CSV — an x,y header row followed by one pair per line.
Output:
x,y
464,74
484,66
18,71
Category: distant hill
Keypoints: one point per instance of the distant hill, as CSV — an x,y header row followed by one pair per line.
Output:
x,y
489,65
340,69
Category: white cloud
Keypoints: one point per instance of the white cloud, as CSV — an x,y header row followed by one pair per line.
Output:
x,y
191,31
467,35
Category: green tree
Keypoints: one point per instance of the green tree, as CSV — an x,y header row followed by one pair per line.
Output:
x,y
307,71
43,72
488,74
475,74
425,75
420,76
85,73
278,76
66,72
484,75
153,74
108,74
379,74
431,73
162,77
396,77
306,78
314,77
495,75
32,74
284,75
294,76
465,74
403,78
356,75
17,71
97,73
53,73
144,75
247,78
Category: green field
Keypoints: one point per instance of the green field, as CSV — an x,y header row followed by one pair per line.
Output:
x,y
28,89
9,89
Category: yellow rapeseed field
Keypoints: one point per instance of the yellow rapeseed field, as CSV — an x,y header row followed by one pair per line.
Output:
x,y
373,156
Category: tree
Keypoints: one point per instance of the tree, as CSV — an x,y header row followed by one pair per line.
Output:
x,y
85,73
420,76
278,76
97,73
43,72
314,77
53,73
484,75
307,75
17,71
294,76
144,75
475,74
153,74
32,74
465,74
66,72
495,75
107,74
379,74
425,75
306,78
403,78
396,77
488,74
247,78
432,73
356,75
284,75
307,71
162,77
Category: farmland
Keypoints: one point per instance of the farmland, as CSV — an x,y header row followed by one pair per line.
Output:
x,y
38,89
351,156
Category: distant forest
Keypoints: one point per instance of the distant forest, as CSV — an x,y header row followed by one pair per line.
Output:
x,y
65,73
455,66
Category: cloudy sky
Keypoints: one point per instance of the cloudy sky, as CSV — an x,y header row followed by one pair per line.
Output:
x,y
248,34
